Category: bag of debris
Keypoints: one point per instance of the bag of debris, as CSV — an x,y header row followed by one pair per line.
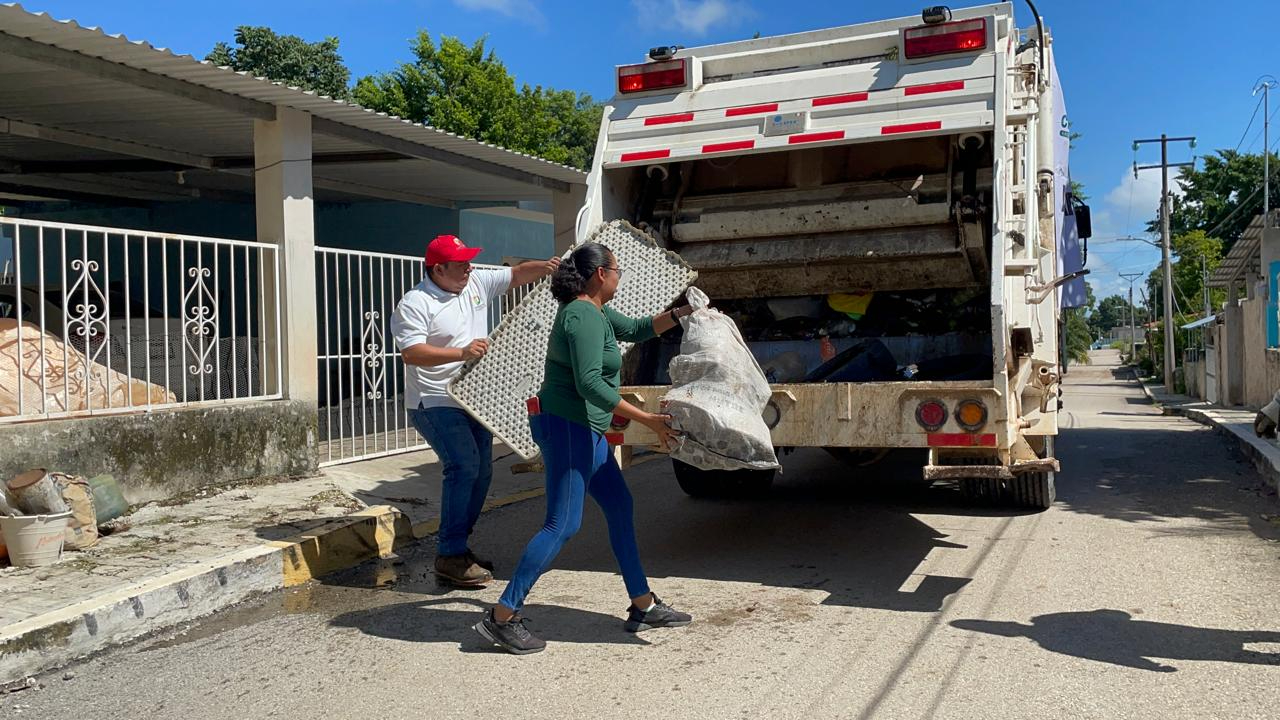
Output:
x,y
718,395
82,528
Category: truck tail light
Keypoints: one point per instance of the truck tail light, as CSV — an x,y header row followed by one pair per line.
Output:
x,y
652,76
971,415
931,414
945,39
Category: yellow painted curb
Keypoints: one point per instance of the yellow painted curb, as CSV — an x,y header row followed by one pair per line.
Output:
x,y
349,541
341,544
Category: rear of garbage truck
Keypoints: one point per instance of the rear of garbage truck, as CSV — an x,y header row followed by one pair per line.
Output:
x,y
877,208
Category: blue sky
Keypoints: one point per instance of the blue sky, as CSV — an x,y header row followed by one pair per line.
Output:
x,y
1130,68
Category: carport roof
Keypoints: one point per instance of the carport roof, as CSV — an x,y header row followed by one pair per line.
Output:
x,y
83,111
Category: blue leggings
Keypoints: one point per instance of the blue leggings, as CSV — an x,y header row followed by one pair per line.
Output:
x,y
578,463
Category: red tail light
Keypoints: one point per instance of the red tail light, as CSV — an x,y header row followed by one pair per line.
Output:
x,y
652,76
945,39
931,414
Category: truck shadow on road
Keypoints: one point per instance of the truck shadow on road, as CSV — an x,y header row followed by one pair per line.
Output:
x,y
1116,638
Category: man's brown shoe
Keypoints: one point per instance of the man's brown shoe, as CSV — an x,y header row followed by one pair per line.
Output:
x,y
482,562
461,571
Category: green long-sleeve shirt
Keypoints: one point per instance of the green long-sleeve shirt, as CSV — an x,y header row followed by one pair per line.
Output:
x,y
583,362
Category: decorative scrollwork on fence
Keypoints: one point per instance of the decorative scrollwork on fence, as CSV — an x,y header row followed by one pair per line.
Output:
x,y
200,329
371,355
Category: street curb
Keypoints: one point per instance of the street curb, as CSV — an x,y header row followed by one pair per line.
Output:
x,y
71,633
1265,459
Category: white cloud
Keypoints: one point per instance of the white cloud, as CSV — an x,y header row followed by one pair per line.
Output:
x,y
517,9
692,16
1123,212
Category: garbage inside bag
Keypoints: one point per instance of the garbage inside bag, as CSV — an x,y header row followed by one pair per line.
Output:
x,y
718,395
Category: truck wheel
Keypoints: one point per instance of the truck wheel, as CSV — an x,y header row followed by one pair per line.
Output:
x,y
1033,490
722,483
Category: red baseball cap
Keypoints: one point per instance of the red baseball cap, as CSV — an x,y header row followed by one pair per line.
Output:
x,y
450,248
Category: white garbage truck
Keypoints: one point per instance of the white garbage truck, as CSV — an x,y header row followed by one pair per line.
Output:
x,y
885,211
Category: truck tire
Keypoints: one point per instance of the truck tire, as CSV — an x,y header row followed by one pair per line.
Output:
x,y
1033,490
722,483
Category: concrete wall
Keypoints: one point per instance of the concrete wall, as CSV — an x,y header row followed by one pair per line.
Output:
x,y
161,454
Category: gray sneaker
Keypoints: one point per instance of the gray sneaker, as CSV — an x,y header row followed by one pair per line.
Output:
x,y
661,615
511,636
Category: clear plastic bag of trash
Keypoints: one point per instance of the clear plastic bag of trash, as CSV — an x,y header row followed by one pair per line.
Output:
x,y
718,395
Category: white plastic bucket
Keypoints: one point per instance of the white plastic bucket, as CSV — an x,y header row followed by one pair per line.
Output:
x,y
34,539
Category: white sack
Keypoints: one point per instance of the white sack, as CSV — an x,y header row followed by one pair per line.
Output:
x,y
718,395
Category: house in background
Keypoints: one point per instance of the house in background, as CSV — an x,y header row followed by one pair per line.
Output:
x,y
198,267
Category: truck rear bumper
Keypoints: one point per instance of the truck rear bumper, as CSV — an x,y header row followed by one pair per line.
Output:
x,y
992,472
859,415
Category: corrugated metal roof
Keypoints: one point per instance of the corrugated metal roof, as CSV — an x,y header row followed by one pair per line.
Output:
x,y
141,55
1244,256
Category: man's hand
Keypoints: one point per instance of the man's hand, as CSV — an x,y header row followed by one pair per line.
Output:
x,y
527,272
475,350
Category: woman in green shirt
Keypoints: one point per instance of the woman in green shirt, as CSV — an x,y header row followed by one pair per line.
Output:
x,y
579,398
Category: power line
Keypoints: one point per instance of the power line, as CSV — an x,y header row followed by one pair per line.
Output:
x,y
1253,117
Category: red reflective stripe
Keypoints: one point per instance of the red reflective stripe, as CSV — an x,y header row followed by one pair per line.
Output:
x,y
816,137
751,110
961,440
911,127
934,88
668,119
840,99
616,438
725,147
534,405
645,155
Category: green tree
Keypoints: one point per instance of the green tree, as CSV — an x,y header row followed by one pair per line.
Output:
x,y
1079,337
466,90
1112,311
286,59
1222,197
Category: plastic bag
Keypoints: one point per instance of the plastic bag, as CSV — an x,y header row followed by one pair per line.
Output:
x,y
718,395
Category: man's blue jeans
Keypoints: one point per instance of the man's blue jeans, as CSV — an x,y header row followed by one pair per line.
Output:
x,y
465,449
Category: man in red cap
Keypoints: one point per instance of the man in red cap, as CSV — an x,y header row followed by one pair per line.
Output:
x,y
439,325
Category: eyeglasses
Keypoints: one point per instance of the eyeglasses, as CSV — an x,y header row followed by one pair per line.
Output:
x,y
617,270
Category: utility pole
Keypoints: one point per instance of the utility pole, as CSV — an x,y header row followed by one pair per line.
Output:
x,y
1133,332
1165,203
1265,83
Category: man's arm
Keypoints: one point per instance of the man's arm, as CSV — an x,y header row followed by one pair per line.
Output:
x,y
527,272
425,355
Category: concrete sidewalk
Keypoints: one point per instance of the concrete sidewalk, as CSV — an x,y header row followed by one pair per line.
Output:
x,y
183,559
1236,424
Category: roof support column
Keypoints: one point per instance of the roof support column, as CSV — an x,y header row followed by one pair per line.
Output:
x,y
564,210
285,216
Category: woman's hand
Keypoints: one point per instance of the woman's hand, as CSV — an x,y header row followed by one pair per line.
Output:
x,y
661,426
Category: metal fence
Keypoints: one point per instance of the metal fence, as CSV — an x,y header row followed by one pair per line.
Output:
x,y
361,376
104,320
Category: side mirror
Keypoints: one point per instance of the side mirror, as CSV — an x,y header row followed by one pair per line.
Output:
x,y
1084,224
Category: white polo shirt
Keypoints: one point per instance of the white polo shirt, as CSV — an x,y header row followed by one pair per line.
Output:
x,y
441,319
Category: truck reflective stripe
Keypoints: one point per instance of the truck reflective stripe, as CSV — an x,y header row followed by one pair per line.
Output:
x,y
934,88
816,137
911,127
727,146
668,119
645,155
840,99
751,110
962,440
